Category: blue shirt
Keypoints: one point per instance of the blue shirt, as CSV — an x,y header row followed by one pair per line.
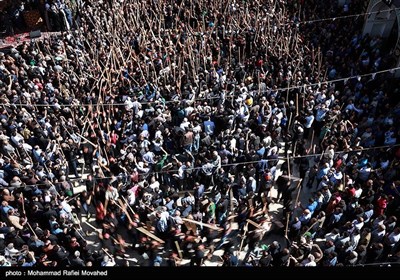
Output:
x,y
320,114
309,121
312,206
261,151
6,209
209,127
322,172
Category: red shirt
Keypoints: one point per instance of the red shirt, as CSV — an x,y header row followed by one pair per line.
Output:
x,y
352,191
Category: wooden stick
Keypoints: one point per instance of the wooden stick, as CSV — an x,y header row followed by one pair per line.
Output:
x,y
179,249
310,227
253,223
123,208
31,229
84,138
232,217
108,254
23,204
191,226
77,230
299,191
287,223
312,138
149,234
127,204
115,240
345,182
203,224
291,177
94,228
231,199
244,236
289,122
72,198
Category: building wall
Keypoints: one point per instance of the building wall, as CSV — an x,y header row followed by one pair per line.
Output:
x,y
380,20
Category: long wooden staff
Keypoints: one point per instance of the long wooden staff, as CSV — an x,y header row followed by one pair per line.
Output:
x,y
203,224
310,227
246,228
287,223
127,204
84,138
299,185
30,227
178,248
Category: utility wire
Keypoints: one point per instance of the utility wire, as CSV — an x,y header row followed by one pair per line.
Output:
x,y
390,70
239,163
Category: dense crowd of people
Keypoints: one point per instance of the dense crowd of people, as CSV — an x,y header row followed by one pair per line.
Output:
x,y
172,124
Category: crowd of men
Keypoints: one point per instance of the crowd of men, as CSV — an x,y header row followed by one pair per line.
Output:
x,y
173,124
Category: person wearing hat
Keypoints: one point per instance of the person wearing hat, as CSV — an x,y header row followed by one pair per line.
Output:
x,y
76,260
10,251
108,261
274,250
4,262
309,261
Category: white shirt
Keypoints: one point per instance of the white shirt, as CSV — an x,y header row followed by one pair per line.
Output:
x,y
112,194
149,157
393,238
17,138
354,240
181,171
155,185
358,193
